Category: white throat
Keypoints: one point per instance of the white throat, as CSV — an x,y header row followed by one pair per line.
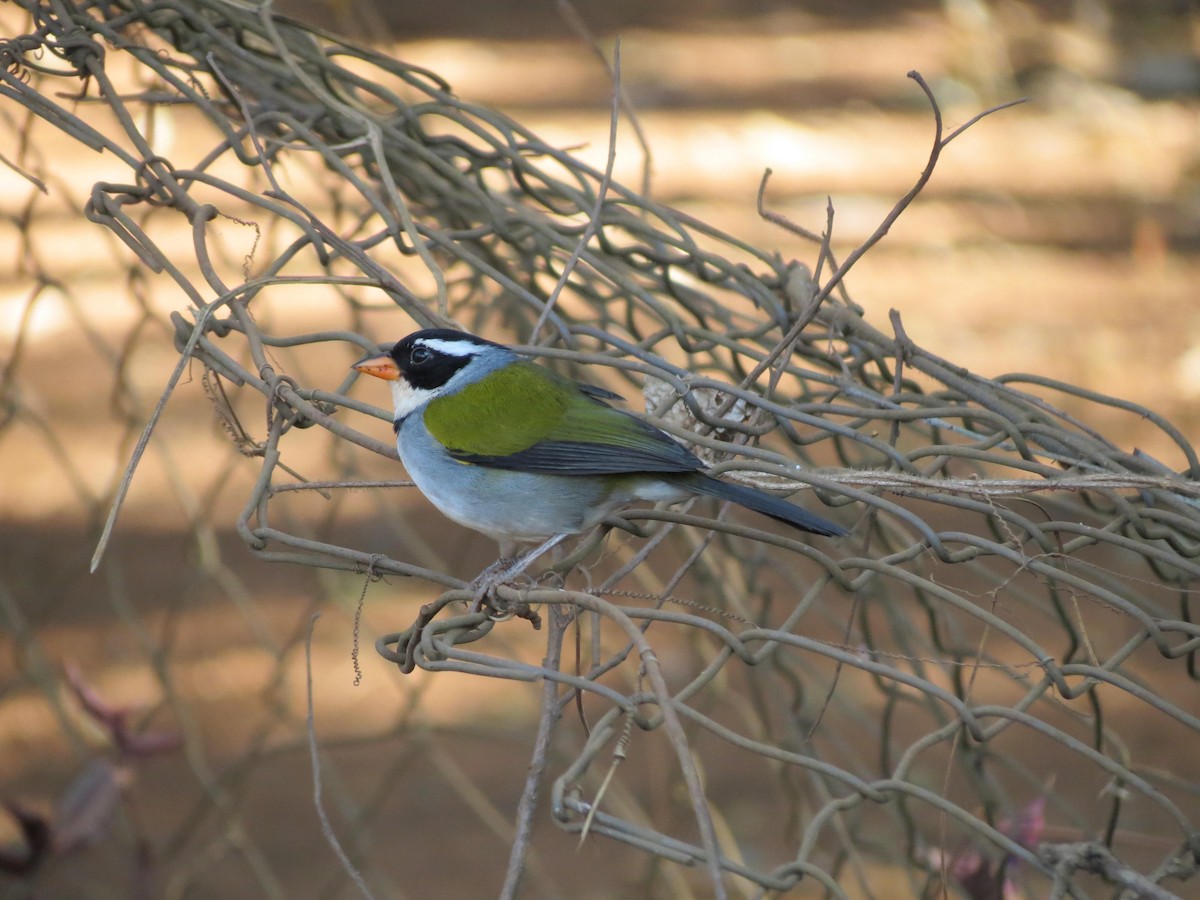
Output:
x,y
406,398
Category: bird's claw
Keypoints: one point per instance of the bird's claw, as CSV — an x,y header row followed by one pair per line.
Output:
x,y
483,594
483,588
503,571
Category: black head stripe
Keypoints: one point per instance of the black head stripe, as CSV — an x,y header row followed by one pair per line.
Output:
x,y
427,360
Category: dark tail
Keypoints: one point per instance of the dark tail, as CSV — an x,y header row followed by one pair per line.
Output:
x,y
764,503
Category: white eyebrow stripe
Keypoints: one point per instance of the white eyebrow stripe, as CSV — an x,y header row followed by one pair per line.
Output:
x,y
452,348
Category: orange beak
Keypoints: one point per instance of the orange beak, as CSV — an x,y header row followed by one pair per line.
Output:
x,y
382,366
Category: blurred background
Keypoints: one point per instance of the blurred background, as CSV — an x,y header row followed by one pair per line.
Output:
x,y
1059,238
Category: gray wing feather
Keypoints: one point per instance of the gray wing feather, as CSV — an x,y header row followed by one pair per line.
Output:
x,y
579,458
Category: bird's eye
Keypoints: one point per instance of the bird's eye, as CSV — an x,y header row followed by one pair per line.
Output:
x,y
419,356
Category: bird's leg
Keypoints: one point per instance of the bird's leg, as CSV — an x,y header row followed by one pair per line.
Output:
x,y
505,570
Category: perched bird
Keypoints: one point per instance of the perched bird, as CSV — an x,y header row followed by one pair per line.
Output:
x,y
512,449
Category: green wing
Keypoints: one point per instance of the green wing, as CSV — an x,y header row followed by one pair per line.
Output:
x,y
526,418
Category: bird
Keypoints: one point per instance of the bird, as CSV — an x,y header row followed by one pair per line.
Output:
x,y
514,450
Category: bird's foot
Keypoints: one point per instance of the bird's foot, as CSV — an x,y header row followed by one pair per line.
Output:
x,y
484,596
503,571
483,588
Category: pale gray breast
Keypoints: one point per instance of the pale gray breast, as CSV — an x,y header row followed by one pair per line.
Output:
x,y
503,504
